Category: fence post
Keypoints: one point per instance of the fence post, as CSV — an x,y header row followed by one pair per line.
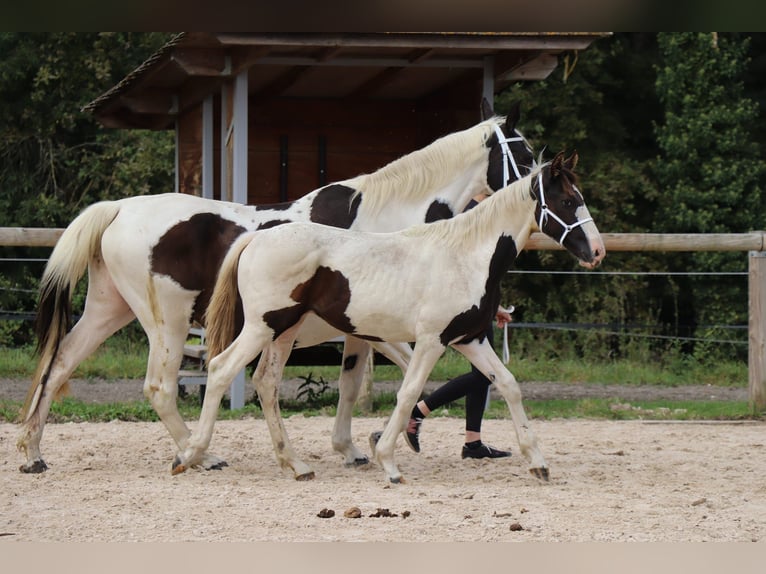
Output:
x,y
757,329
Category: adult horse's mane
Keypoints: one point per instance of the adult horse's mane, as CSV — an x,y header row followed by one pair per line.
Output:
x,y
467,228
424,170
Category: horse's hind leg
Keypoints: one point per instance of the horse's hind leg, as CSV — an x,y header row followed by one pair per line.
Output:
x,y
105,312
355,356
167,327
266,378
221,372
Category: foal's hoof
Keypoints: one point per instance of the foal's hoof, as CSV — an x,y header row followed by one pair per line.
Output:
x,y
217,466
541,473
36,467
178,466
397,479
305,476
359,461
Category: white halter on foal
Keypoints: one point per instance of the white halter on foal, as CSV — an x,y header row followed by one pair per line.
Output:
x,y
545,212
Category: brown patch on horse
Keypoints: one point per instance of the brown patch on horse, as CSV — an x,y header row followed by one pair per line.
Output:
x,y
272,223
472,323
333,206
326,293
438,210
191,253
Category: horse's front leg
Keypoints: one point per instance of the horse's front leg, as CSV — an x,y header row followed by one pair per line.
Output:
x,y
355,356
266,379
399,353
221,372
424,357
483,357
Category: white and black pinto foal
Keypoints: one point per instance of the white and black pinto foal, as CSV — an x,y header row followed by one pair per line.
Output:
x,y
155,258
437,285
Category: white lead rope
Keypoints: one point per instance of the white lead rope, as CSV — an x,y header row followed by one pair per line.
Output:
x,y
506,351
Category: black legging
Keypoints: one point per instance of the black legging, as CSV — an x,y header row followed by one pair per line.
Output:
x,y
474,386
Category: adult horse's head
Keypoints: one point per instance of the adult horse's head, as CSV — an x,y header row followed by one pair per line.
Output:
x,y
510,157
561,212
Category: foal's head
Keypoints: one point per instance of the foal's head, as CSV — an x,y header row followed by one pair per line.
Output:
x,y
510,157
561,212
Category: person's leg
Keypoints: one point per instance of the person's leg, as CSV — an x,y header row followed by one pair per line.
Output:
x,y
475,405
450,391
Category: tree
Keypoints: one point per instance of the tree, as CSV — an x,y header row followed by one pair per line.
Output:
x,y
54,159
710,167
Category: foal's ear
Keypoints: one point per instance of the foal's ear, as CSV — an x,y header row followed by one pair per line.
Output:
x,y
513,117
486,109
571,161
557,164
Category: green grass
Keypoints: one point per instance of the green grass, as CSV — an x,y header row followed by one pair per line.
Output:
x,y
121,358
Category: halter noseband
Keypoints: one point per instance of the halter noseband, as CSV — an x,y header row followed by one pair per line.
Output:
x,y
507,155
545,212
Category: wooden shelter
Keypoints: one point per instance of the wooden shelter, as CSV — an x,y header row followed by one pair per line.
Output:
x,y
263,118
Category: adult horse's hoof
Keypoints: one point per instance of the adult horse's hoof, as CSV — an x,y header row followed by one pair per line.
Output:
x,y
374,438
359,461
36,467
541,473
305,476
212,462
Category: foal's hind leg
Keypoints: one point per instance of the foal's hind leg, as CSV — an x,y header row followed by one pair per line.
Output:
x,y
105,312
266,378
483,357
355,355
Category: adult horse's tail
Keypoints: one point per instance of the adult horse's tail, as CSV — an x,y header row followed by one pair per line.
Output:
x,y
221,317
80,242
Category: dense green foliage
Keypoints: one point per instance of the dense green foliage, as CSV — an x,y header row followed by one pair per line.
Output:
x,y
668,127
55,159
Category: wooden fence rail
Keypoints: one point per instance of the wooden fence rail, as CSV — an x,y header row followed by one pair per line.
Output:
x,y
753,242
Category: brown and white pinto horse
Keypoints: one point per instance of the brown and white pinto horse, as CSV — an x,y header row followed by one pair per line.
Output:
x,y
437,285
155,258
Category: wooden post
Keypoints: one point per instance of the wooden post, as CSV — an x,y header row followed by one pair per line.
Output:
x,y
757,330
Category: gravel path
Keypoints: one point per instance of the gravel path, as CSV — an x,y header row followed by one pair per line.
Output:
x,y
124,390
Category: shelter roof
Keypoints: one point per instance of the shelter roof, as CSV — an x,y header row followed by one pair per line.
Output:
x,y
397,65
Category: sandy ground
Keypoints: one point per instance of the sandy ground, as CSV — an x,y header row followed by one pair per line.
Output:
x,y
610,481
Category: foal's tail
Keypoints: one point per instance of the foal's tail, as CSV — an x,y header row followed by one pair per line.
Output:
x,y
80,242
221,314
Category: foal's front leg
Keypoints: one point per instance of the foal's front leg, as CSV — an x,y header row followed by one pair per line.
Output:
x,y
424,357
483,357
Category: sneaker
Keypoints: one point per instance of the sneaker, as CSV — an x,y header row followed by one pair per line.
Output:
x,y
484,451
412,433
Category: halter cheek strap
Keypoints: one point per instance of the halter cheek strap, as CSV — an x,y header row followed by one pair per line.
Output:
x,y
545,212
507,155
